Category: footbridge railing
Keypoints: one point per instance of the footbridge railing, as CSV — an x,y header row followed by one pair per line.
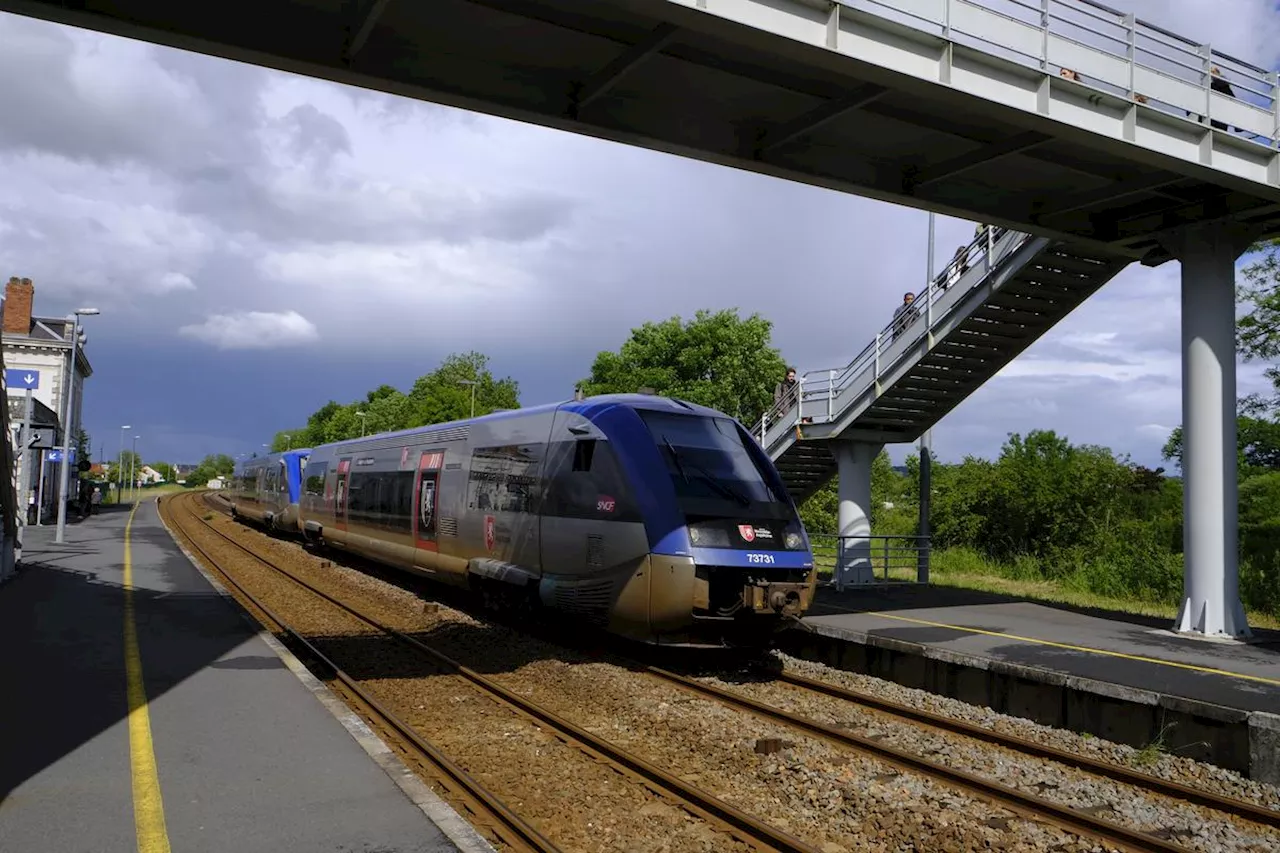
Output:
x,y
824,396
1107,51
900,558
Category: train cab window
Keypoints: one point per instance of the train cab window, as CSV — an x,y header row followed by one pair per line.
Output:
x,y
585,480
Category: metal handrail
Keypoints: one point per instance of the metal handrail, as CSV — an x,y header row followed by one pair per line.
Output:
x,y
1114,35
814,399
895,558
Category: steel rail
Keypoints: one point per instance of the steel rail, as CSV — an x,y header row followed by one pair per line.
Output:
x,y
1238,808
490,812
750,830
1027,805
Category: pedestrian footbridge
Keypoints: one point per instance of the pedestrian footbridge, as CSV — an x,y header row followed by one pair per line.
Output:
x,y
988,305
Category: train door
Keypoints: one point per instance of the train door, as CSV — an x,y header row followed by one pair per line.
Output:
x,y
340,494
426,499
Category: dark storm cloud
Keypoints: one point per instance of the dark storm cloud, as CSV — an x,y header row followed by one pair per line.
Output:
x,y
132,170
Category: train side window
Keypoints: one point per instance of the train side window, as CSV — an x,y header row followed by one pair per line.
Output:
x,y
315,478
399,501
583,451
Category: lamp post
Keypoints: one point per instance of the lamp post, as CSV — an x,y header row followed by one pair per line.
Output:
x,y
120,473
133,468
473,383
60,536
361,416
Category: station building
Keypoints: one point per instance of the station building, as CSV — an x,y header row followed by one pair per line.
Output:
x,y
36,345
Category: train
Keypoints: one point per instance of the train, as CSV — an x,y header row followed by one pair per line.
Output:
x,y
266,489
652,518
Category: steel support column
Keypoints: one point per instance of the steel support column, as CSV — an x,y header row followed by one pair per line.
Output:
x,y
853,556
1211,569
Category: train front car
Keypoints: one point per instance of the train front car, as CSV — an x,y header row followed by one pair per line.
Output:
x,y
728,559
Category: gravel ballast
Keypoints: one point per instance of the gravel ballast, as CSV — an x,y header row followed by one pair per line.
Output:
x,y
828,795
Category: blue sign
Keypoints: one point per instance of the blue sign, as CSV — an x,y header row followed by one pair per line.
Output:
x,y
56,456
26,380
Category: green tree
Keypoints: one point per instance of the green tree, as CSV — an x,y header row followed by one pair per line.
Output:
x,y
1257,443
213,465
164,469
288,439
83,448
129,460
1258,331
441,395
436,397
718,360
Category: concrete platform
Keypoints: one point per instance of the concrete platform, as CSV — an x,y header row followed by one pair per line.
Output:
x,y
1126,678
229,749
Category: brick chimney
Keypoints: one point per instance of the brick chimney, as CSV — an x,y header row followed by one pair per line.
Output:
x,y
18,296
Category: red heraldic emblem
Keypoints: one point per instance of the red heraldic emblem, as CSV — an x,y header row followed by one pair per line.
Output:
x,y
488,532
747,531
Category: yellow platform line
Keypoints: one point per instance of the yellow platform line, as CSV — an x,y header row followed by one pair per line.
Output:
x,y
1107,652
148,807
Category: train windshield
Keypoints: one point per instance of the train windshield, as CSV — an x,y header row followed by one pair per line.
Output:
x,y
710,467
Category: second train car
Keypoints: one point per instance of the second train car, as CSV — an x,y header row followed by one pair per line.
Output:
x,y
653,518
266,489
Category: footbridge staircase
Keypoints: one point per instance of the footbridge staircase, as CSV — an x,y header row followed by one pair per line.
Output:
x,y
991,302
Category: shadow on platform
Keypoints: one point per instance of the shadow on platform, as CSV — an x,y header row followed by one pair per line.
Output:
x,y
62,630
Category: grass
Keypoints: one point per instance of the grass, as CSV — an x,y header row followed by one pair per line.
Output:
x,y
962,568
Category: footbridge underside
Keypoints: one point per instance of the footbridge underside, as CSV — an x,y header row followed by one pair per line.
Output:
x,y
957,106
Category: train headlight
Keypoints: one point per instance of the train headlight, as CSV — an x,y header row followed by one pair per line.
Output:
x,y
705,536
793,540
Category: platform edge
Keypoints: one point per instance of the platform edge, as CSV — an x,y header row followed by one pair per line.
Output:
x,y
1247,742
436,810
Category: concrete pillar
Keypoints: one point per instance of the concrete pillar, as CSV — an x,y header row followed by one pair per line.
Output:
x,y
853,470
1211,571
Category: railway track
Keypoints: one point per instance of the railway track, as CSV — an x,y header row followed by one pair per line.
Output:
x,y
746,828
1019,802
1151,784
489,815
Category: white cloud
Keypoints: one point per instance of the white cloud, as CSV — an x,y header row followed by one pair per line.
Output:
x,y
175,281
254,330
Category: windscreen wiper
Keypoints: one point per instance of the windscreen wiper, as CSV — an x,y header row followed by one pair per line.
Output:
x,y
675,457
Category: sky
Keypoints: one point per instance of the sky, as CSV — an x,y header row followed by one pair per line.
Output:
x,y
259,243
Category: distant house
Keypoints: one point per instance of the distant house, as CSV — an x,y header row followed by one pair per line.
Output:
x,y
148,475
215,483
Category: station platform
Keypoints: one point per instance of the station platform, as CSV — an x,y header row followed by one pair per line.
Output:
x,y
1127,678
233,746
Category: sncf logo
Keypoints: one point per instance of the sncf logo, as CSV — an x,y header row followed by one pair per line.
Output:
x,y
605,504
747,532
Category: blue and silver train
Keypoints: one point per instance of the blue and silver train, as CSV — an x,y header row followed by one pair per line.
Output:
x,y
653,518
265,490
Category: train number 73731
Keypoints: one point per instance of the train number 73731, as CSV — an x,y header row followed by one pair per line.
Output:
x,y
759,558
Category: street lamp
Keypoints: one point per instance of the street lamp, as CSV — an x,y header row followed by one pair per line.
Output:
x,y
120,473
473,383
133,468
60,536
361,416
